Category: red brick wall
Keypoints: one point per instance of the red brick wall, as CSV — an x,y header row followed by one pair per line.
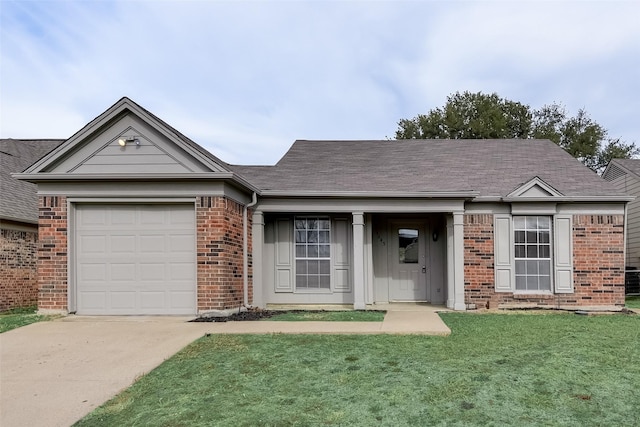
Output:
x,y
598,259
18,274
479,276
219,222
52,254
598,264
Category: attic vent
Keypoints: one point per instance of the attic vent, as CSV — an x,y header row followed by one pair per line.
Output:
x,y
614,172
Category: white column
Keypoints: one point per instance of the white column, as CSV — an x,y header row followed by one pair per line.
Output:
x,y
458,261
358,262
450,264
257,235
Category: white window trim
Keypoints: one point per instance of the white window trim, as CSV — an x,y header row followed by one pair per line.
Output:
x,y
561,255
551,259
307,290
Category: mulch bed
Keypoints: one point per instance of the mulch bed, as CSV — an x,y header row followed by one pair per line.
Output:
x,y
252,314
241,316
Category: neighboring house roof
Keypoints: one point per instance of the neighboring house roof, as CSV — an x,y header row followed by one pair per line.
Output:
x,y
491,168
619,167
19,199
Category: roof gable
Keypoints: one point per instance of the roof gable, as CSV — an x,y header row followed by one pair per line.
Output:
x,y
150,146
621,167
536,188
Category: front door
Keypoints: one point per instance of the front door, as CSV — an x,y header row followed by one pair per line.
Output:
x,y
408,262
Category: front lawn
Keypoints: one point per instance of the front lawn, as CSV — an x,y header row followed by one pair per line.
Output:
x,y
18,317
494,369
632,302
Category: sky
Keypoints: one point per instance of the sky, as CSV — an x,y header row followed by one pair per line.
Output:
x,y
245,79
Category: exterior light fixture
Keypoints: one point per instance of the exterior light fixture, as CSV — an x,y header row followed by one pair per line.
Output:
x,y
125,139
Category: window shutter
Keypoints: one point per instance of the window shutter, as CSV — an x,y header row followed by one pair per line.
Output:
x,y
341,255
503,252
563,254
284,256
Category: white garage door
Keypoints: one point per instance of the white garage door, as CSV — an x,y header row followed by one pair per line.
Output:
x,y
135,259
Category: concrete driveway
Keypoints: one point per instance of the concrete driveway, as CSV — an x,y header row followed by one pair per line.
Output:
x,y
54,373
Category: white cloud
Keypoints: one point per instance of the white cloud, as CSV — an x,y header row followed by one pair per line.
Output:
x,y
245,79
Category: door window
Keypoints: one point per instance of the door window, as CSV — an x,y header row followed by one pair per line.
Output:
x,y
408,245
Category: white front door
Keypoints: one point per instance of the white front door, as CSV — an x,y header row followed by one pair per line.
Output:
x,y
408,262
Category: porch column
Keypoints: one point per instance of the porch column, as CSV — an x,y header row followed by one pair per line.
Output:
x,y
358,261
257,235
455,262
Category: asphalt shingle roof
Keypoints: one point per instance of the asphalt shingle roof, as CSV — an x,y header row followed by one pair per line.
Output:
x,y
494,168
19,199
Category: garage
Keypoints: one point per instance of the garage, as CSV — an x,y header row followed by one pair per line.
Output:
x,y
135,259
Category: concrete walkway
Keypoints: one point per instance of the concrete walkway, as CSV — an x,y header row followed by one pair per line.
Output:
x,y
54,373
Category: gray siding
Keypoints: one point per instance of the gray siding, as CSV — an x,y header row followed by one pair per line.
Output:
x,y
279,264
630,184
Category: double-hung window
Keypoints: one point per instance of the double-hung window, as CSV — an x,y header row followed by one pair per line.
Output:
x,y
313,253
532,240
533,253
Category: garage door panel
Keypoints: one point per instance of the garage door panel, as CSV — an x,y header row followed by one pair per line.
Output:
x,y
182,272
152,300
122,300
152,272
122,244
92,244
180,300
95,301
153,244
135,259
92,217
122,272
183,218
121,215
181,243
155,217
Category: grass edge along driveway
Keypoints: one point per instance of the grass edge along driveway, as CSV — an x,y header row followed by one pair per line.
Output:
x,y
18,317
502,369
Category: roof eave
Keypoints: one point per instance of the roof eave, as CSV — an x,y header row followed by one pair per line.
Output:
x,y
207,176
377,194
564,199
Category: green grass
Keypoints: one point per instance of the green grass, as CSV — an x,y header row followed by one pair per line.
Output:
x,y
494,369
17,317
632,302
329,316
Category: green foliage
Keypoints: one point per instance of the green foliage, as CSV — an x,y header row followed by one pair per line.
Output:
x,y
480,116
17,317
632,302
494,369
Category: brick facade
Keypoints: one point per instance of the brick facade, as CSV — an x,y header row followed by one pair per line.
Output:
x,y
219,254
598,265
219,222
18,274
598,259
52,254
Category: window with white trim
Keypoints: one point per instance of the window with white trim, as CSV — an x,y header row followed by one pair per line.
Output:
x,y
532,254
313,253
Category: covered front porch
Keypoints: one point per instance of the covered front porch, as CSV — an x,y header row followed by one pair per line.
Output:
x,y
324,251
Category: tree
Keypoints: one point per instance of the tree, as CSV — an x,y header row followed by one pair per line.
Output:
x,y
480,116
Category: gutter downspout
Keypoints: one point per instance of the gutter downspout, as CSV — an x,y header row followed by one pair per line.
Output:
x,y
245,248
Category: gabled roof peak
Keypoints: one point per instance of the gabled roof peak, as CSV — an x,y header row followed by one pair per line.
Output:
x,y
535,187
